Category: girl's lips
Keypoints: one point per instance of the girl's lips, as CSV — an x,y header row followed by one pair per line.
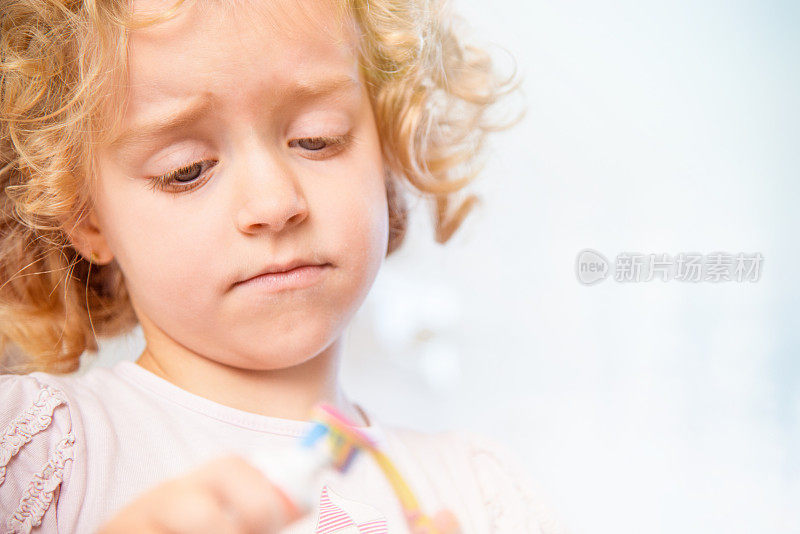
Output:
x,y
297,278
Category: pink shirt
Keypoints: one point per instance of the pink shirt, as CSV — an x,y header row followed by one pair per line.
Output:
x,y
77,448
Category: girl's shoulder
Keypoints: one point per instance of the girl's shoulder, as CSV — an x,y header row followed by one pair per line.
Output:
x,y
488,475
37,449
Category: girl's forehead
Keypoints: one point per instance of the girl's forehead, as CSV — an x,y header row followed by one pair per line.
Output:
x,y
244,58
278,40
289,17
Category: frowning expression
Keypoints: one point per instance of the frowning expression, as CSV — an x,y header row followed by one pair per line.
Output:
x,y
248,140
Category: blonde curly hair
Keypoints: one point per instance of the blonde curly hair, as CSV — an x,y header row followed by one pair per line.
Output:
x,y
60,64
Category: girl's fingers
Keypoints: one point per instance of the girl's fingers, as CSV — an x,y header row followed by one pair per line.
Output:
x,y
185,508
224,496
446,523
251,500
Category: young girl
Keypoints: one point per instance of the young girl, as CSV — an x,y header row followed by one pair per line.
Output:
x,y
230,176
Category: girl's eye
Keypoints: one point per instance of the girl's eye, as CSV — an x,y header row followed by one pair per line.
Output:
x,y
185,177
320,147
313,143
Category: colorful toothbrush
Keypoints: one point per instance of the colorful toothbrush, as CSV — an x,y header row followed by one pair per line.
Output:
x,y
294,472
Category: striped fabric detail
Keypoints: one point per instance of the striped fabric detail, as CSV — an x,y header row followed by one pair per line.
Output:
x,y
333,518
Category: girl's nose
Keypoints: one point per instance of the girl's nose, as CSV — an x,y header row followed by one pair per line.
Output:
x,y
269,195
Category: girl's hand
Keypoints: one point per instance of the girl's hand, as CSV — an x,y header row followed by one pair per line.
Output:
x,y
226,495
444,522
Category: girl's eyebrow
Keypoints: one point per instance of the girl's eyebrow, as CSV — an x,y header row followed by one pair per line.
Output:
x,y
165,123
200,106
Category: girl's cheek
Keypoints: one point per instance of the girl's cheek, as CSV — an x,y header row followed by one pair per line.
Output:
x,y
372,226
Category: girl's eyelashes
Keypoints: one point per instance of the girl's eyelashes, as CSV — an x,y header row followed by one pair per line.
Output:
x,y
315,147
185,178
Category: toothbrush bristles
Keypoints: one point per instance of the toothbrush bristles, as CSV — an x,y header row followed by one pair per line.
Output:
x,y
353,453
344,441
342,451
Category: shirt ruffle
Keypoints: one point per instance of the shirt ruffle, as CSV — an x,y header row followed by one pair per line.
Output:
x,y
42,488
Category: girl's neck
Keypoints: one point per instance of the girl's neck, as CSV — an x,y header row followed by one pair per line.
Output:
x,y
288,393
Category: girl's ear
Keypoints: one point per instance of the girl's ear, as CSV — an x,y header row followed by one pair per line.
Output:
x,y
88,239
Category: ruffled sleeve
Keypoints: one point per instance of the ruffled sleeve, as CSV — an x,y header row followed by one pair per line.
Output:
x,y
513,504
36,453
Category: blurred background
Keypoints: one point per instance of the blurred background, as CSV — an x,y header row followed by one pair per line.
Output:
x,y
658,406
